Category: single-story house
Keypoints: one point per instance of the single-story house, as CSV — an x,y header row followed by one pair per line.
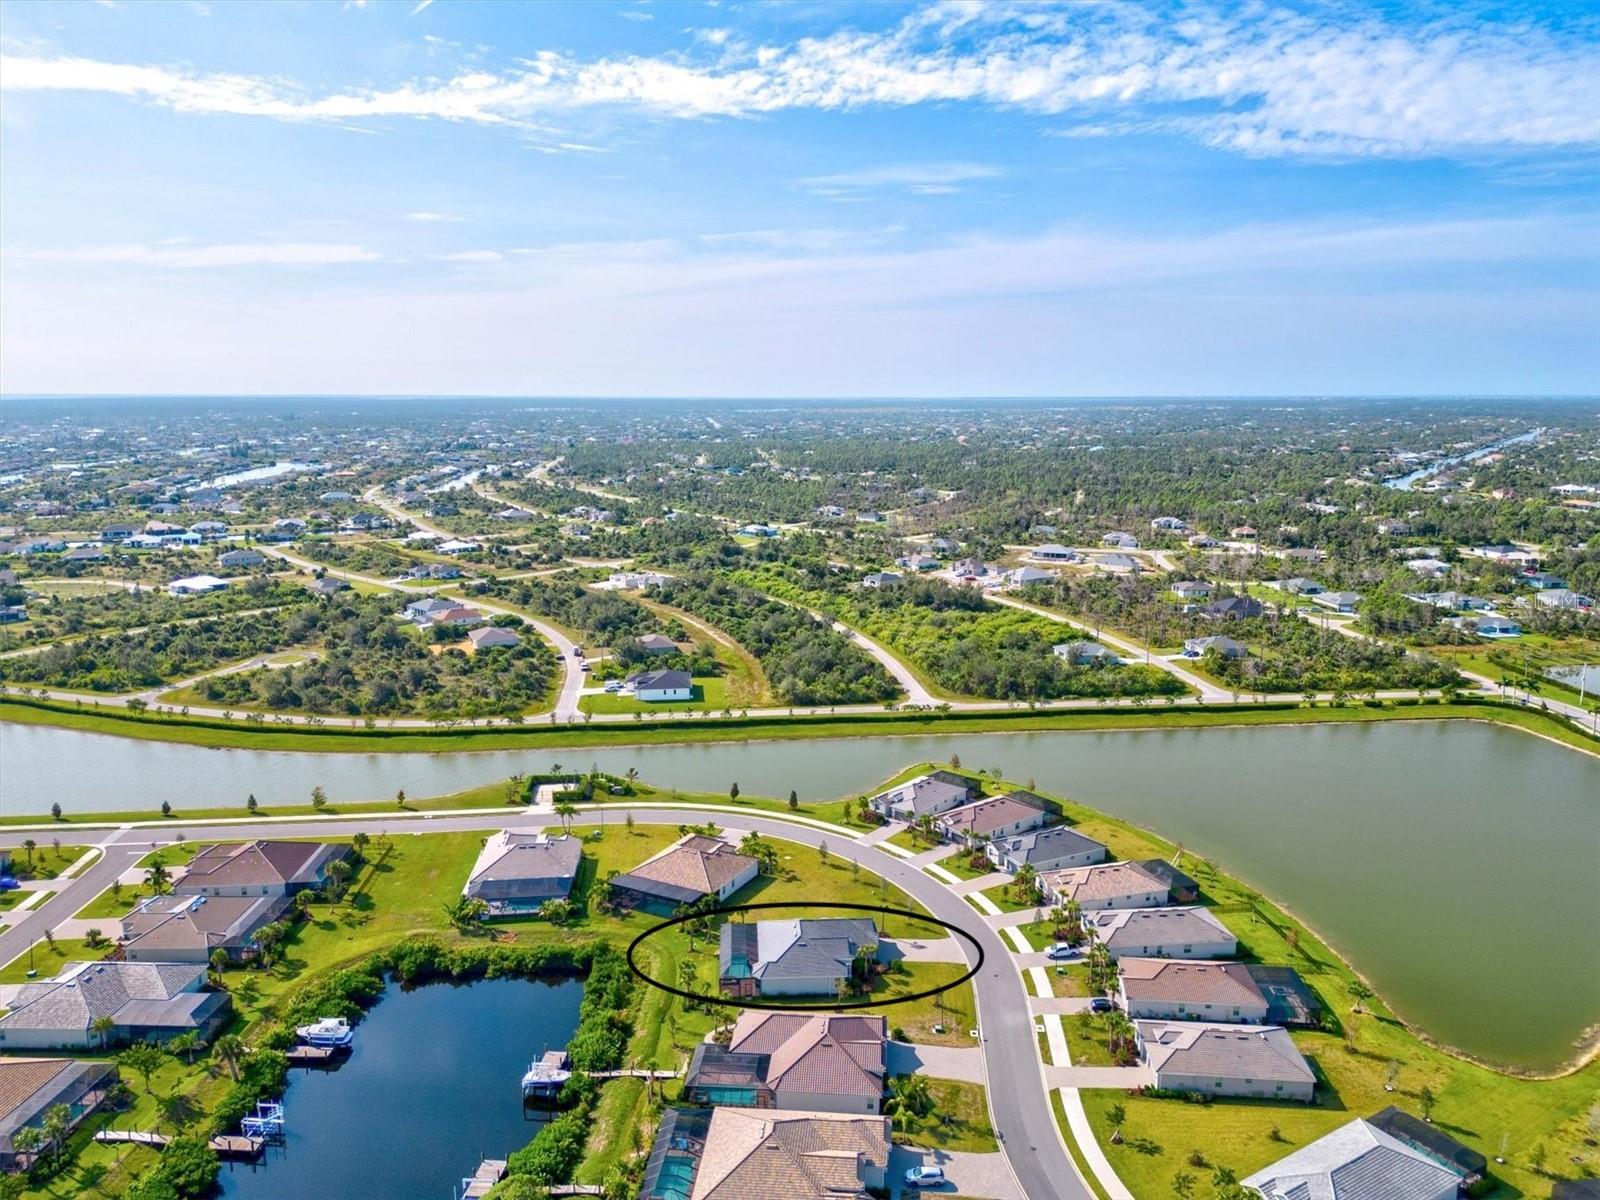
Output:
x,y
1169,525
1440,1146
1107,885
969,568
117,533
633,580
241,558
1053,552
933,793
11,613
436,611
1429,568
1223,1060
1184,888
1491,625
328,585
196,585
189,929
1085,653
489,636
1223,645
691,868
804,957
84,554
1543,581
759,1154
259,868
1300,586
656,686
1191,589
1117,564
1453,601
1232,608
1563,598
1023,576
1203,541
433,571
1341,602
1178,990
31,1087
656,643
145,1001
517,872
992,817
1054,849
1122,541
882,579
1360,1151
919,562
455,546
813,1062
1242,531
1161,933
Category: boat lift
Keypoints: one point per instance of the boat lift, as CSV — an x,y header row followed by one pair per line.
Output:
x,y
267,1123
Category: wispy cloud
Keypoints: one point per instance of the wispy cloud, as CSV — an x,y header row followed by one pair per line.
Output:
x,y
930,179
421,5
473,256
1323,81
433,217
182,255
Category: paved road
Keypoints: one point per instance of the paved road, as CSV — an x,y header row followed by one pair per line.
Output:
x,y
1020,1109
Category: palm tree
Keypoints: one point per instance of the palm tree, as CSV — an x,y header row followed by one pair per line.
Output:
x,y
158,879
101,1027
29,845
27,1140
228,1050
338,875
219,963
185,1044
566,810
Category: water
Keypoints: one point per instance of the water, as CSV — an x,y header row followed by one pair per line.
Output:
x,y
256,474
1585,677
1425,851
431,1088
1404,483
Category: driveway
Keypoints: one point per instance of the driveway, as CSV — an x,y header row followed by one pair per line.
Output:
x,y
937,1062
967,886
1058,1004
1099,1077
944,949
974,1175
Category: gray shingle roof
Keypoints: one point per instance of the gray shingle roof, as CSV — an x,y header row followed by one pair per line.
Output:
x,y
1355,1162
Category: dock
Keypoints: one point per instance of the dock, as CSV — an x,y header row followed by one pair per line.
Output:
x,y
310,1056
490,1172
228,1145
575,1189
634,1074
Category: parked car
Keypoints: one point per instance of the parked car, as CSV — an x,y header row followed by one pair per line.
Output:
x,y
614,686
8,883
1062,950
1101,1004
925,1177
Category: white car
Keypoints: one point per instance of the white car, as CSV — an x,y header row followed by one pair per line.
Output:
x,y
614,686
925,1177
1062,950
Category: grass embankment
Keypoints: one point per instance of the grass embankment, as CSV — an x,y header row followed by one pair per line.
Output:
x,y
46,958
959,1121
46,860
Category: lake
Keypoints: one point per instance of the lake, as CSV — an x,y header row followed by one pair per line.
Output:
x,y
430,1089
1425,851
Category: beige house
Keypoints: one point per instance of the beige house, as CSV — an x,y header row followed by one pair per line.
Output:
x,y
809,1062
690,869
1258,1063
753,1154
1105,885
1168,989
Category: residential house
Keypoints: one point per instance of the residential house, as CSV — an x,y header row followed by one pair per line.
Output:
x,y
1191,589
144,1001
1232,608
634,580
1058,848
1242,531
517,872
433,571
1562,598
761,1154
1161,933
1023,576
1543,581
1299,585
1169,525
760,531
882,579
196,585
804,957
656,643
654,687
327,586
1394,527
1107,885
692,868
11,613
1120,541
1203,541
1053,552
241,558
209,530
1178,990
1492,625
84,554
455,546
190,928
1357,1159
1428,568
813,1062
1305,554
491,636
1085,654
925,795
118,533
1183,888
969,568
1261,1063
992,817
1433,1142
437,611
919,562
31,1087
1450,601
1117,564
1225,646
259,868
1339,602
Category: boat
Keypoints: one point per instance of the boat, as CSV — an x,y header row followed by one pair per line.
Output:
x,y
329,1031
546,1076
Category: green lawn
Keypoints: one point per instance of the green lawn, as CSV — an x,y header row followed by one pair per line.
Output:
x,y
909,839
46,860
47,959
710,694
958,866
959,1121
1003,899
1087,1039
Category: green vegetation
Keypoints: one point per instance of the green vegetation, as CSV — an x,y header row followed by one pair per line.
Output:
x,y
47,957
965,644
954,1116
70,611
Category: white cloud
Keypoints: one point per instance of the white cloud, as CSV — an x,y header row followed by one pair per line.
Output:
x,y
421,5
473,256
1330,81
433,216
178,254
634,14
937,178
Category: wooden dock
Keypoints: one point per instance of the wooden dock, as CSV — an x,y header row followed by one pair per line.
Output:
x,y
575,1189
634,1074
309,1056
490,1172
229,1145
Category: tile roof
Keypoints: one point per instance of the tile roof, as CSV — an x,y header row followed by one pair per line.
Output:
x,y
1048,845
1191,982
992,812
820,1053
230,864
86,991
1104,881
1259,1052
21,1078
197,921
763,1154
699,863
928,793
1120,927
1355,1162
510,856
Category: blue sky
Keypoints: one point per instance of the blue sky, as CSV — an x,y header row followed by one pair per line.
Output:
x,y
798,199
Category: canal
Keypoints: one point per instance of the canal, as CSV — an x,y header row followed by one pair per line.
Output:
x,y
1452,863
431,1088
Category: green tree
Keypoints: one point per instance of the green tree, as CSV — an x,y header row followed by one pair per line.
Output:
x,y
319,798
158,879
143,1059
101,1027
228,1051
